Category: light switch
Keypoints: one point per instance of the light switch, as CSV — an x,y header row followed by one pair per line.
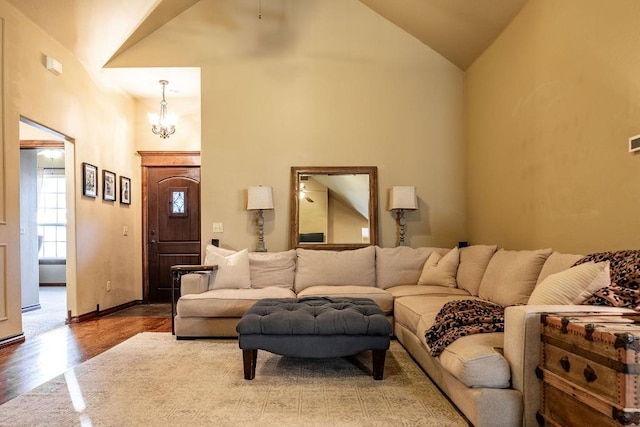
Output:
x,y
217,227
125,230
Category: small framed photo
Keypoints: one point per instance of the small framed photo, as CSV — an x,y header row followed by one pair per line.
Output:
x,y
108,185
89,180
125,190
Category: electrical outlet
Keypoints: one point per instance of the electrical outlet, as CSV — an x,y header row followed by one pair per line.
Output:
x,y
217,227
108,285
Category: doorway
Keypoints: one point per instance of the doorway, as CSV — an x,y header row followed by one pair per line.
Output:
x,y
171,218
43,227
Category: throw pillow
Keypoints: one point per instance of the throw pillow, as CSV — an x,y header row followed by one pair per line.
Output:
x,y
401,265
474,260
212,250
572,286
511,276
440,270
233,271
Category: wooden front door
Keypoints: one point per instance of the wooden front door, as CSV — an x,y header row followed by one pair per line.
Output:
x,y
173,225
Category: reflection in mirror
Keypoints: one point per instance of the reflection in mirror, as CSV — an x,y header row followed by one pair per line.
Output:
x,y
334,207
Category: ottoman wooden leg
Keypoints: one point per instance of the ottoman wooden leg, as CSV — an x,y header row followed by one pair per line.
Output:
x,y
378,363
249,357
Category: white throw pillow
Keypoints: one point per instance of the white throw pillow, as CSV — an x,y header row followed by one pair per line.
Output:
x,y
440,270
233,271
572,286
212,250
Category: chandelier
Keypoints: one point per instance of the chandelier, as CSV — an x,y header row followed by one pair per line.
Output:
x,y
163,124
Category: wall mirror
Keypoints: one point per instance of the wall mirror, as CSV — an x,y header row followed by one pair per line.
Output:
x,y
334,207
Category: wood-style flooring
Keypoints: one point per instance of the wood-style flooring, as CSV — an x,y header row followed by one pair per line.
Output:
x,y
39,359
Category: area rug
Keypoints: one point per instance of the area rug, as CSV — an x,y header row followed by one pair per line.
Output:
x,y
153,379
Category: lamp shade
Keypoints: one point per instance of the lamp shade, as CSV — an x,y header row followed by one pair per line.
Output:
x,y
259,197
403,197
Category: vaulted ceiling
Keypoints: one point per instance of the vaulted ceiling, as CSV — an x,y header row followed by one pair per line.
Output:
x,y
99,30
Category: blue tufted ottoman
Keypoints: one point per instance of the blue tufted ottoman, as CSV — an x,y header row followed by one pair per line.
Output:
x,y
314,327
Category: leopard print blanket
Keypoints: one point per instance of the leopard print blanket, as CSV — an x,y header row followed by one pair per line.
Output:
x,y
461,318
624,290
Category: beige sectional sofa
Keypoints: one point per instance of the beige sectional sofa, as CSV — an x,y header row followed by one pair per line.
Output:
x,y
489,376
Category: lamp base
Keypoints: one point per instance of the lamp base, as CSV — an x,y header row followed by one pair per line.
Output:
x,y
401,228
261,247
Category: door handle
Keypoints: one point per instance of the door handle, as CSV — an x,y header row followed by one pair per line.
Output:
x,y
152,242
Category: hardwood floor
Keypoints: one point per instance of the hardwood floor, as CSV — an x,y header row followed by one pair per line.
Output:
x,y
41,358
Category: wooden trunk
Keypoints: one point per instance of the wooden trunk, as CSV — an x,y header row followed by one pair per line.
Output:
x,y
590,369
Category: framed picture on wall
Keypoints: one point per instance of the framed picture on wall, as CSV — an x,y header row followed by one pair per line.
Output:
x,y
108,185
125,190
89,180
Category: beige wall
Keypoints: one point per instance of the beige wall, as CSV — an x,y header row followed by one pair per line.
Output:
x,y
316,83
100,123
550,106
344,87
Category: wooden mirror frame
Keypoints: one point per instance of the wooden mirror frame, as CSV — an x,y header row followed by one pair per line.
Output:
x,y
294,225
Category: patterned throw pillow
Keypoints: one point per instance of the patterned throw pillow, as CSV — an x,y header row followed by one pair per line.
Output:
x,y
624,290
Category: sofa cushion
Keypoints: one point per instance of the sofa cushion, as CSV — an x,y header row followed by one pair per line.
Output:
x,y
477,361
409,311
381,297
556,263
233,271
409,290
512,275
401,265
572,286
226,302
440,270
272,269
339,268
474,260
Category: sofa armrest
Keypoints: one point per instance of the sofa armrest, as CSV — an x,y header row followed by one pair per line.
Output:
x,y
195,283
522,348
